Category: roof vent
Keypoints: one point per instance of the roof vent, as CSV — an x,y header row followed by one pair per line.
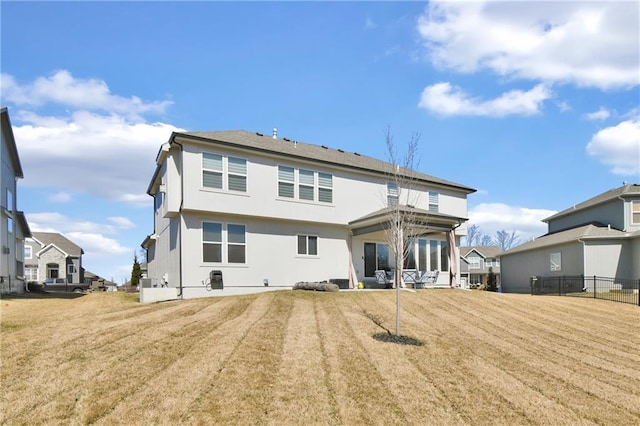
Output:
x,y
275,133
288,140
325,147
259,134
355,153
340,150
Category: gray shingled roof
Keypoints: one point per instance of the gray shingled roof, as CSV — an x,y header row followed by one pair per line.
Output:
x,y
306,151
62,242
628,190
486,251
570,235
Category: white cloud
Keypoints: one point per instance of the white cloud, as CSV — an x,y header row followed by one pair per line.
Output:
x,y
601,114
63,89
619,147
122,222
444,99
89,153
594,44
96,245
60,197
86,234
493,217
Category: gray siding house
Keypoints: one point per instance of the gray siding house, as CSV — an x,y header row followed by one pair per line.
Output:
x,y
476,261
52,255
13,223
598,237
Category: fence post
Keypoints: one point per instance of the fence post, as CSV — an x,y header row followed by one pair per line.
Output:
x,y
594,287
639,292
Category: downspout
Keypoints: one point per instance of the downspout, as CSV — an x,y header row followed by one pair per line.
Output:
x,y
180,295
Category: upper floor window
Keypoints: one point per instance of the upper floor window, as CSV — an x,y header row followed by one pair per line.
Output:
x,y
474,262
71,269
28,252
325,187
303,184
392,194
488,262
635,212
434,201
224,172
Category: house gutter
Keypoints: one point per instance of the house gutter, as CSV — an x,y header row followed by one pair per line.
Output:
x,y
180,295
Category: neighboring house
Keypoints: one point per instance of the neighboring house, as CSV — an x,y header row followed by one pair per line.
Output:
x,y
52,255
258,211
598,237
13,223
97,282
476,261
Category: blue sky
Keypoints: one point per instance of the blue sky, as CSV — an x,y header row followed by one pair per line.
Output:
x,y
534,104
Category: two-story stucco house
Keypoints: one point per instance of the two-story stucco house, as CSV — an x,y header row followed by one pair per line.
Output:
x,y
476,261
598,237
254,212
52,255
13,223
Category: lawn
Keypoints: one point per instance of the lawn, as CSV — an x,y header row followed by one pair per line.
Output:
x,y
298,357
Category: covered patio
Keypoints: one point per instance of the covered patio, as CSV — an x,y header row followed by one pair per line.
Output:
x,y
426,239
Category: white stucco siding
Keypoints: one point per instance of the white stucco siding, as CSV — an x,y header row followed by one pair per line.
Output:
x,y
163,262
517,268
609,259
271,253
355,194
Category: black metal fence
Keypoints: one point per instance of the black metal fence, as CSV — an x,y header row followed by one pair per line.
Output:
x,y
615,289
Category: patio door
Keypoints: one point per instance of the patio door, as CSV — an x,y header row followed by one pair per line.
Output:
x,y
376,256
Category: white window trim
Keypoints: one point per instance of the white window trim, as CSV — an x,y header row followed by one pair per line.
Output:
x,y
555,262
224,242
225,173
635,212
474,263
307,255
71,269
435,197
30,249
296,186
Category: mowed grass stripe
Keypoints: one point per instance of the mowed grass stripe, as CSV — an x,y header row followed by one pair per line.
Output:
x,y
516,397
301,394
201,353
606,363
569,386
445,364
242,390
360,390
612,334
416,391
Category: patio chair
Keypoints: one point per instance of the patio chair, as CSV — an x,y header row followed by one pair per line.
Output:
x,y
410,276
383,279
429,277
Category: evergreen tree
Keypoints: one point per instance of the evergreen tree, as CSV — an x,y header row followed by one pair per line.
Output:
x,y
136,272
492,284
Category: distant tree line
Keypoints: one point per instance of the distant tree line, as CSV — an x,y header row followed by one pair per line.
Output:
x,y
503,239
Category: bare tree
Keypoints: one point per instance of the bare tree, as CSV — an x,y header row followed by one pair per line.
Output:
x,y
473,235
506,240
485,240
401,202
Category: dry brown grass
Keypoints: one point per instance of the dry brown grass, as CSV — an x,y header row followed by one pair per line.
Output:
x,y
295,357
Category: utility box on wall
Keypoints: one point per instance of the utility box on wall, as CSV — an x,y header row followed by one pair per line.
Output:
x,y
215,277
